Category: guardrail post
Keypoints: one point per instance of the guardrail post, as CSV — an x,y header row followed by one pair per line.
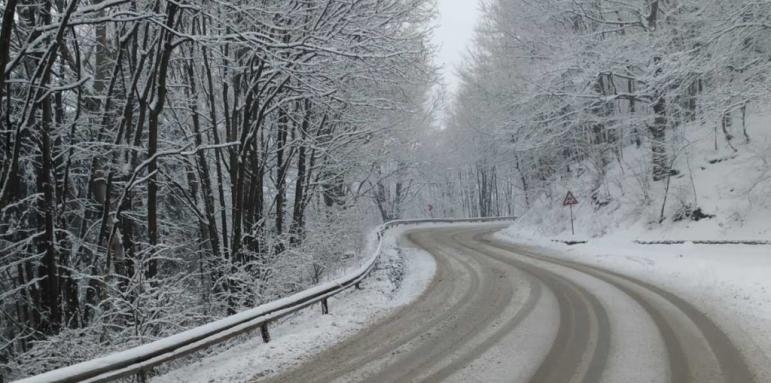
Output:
x,y
140,369
264,332
142,376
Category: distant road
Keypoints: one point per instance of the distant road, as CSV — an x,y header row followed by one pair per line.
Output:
x,y
496,312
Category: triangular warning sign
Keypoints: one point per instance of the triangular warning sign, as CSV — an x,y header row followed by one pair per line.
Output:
x,y
570,200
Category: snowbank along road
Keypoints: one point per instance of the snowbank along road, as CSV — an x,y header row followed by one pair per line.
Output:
x,y
498,312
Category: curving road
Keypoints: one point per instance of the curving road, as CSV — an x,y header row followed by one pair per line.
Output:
x,y
497,312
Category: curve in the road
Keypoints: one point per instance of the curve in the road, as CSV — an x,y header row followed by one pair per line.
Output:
x,y
574,352
486,293
682,354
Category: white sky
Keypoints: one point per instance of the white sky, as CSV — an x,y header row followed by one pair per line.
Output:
x,y
457,19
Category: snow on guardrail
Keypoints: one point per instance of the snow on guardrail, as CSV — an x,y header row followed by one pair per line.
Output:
x,y
705,242
139,359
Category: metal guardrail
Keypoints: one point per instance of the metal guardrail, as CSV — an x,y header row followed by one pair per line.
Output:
x,y
750,242
138,360
569,242
754,242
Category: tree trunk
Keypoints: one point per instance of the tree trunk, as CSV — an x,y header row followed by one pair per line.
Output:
x,y
281,143
6,29
298,222
744,124
216,137
202,165
152,146
658,140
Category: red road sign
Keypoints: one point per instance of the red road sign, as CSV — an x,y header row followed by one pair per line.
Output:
x,y
570,200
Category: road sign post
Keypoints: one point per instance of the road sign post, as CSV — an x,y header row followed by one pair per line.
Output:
x,y
570,200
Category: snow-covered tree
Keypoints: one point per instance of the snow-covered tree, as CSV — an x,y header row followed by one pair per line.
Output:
x,y
163,163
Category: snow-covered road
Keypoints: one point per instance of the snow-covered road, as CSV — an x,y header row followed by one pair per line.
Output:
x,y
497,311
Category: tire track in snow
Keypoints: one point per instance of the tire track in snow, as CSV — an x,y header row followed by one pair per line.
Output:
x,y
486,291
687,360
580,350
466,296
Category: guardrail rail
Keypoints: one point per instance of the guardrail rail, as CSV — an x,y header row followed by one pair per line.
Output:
x,y
139,360
752,242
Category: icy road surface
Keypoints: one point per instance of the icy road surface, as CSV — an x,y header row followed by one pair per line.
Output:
x,y
497,312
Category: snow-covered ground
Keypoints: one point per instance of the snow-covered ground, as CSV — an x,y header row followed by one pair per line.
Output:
x,y
729,283
401,276
732,187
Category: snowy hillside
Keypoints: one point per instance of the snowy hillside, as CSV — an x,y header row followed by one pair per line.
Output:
x,y
716,194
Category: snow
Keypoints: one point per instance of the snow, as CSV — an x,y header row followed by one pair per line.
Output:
x,y
734,187
217,328
400,278
729,283
299,337
534,335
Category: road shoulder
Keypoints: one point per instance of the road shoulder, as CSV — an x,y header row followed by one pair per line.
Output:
x,y
728,283
402,274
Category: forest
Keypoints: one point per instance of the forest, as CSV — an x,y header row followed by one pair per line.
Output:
x,y
164,163
558,93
